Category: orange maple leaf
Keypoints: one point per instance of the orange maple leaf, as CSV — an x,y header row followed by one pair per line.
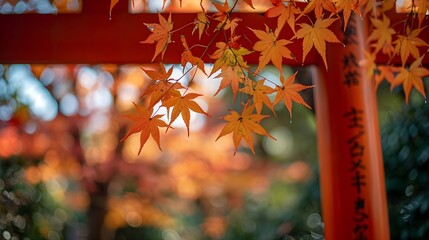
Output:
x,y
347,6
222,13
382,32
243,126
201,23
288,92
277,10
250,3
283,12
160,74
161,35
161,87
385,73
271,48
182,106
112,5
146,124
231,76
369,64
318,6
422,8
316,35
259,93
188,57
411,77
223,17
406,45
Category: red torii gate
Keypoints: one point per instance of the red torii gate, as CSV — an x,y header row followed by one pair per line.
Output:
x,y
352,176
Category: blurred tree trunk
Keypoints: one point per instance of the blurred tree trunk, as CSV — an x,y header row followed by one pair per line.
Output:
x,y
97,211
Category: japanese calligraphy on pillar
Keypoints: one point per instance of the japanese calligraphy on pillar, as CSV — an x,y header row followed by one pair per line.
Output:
x,y
356,152
350,64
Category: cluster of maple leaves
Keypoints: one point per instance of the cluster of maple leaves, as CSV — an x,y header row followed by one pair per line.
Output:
x,y
228,58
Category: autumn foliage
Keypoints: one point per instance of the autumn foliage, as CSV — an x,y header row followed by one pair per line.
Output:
x,y
223,38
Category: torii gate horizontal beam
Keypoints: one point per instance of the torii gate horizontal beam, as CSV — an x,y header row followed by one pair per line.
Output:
x,y
90,37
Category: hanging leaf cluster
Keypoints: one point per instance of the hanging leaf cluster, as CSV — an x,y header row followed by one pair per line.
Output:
x,y
402,41
224,39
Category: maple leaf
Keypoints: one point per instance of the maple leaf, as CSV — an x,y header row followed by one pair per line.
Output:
x,y
112,5
161,35
406,45
182,106
243,126
271,48
385,73
316,35
232,24
259,93
200,23
276,10
288,92
422,8
231,76
161,91
369,64
318,6
284,13
229,54
161,88
160,74
411,77
250,3
146,124
347,6
222,13
188,57
382,32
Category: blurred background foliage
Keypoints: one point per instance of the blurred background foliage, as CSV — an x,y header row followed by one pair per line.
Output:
x,y
65,175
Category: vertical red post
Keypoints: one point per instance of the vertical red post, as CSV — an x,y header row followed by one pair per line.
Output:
x,y
354,202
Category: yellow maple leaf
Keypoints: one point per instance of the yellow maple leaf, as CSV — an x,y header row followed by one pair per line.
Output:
x,y
406,45
161,35
201,23
411,77
229,54
259,93
243,126
182,106
289,92
271,48
146,124
316,35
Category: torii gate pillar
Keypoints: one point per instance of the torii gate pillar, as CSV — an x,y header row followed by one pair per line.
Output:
x,y
354,202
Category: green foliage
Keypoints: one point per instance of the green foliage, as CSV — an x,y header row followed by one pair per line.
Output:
x,y
405,141
26,211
